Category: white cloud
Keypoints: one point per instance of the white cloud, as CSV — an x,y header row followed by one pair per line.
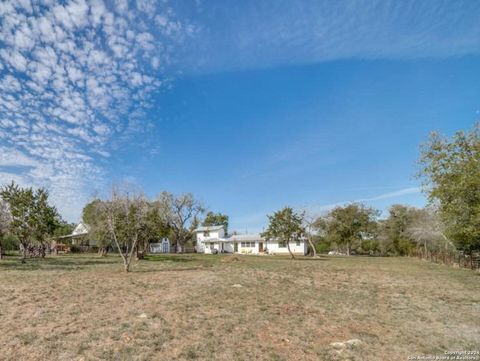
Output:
x,y
71,75
121,5
13,157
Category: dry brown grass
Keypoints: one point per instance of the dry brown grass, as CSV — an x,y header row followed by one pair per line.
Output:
x,y
186,307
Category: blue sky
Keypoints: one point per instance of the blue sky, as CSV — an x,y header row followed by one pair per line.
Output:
x,y
250,105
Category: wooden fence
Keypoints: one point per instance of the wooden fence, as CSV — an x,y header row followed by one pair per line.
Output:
x,y
454,259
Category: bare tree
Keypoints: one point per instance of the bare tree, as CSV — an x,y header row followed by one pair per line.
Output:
x,y
5,219
427,229
180,213
309,225
125,214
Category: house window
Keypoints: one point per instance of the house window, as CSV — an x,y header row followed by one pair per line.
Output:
x,y
282,244
298,242
206,234
248,244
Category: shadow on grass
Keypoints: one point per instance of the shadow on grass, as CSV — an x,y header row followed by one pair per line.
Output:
x,y
53,263
314,259
174,269
168,258
183,258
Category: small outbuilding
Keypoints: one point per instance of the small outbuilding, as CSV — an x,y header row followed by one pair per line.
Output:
x,y
160,247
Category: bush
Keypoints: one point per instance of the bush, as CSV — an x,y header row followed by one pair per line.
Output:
x,y
9,243
322,247
75,249
370,246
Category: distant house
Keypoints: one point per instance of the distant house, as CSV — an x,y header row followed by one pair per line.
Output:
x,y
79,236
213,239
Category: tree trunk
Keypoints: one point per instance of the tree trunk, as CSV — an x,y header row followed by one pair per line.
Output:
x,y
348,248
24,254
289,250
127,260
314,251
102,251
1,254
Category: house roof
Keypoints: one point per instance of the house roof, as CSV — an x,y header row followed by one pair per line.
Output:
x,y
80,229
246,237
208,228
236,238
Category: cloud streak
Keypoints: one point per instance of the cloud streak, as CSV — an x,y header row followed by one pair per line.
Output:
x,y
399,193
258,34
383,196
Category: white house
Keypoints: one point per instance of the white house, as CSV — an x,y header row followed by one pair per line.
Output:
x,y
214,240
79,235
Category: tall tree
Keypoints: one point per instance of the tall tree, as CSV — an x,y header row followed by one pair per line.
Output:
x,y
450,169
154,227
309,226
125,216
427,230
180,213
285,226
5,219
394,229
63,228
32,218
349,225
45,220
216,219
95,216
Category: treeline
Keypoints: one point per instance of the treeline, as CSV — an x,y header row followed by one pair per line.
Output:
x,y
129,221
126,221
450,225
356,228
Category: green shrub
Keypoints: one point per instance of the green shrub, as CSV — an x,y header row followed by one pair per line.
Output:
x,y
9,243
75,249
322,247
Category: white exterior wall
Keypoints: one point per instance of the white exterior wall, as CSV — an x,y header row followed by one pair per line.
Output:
x,y
216,241
227,247
247,250
200,246
274,248
208,248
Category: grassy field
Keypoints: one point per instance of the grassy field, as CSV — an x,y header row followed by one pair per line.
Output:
x,y
189,307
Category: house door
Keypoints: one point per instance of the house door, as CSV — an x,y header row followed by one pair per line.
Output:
x,y
260,246
235,247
